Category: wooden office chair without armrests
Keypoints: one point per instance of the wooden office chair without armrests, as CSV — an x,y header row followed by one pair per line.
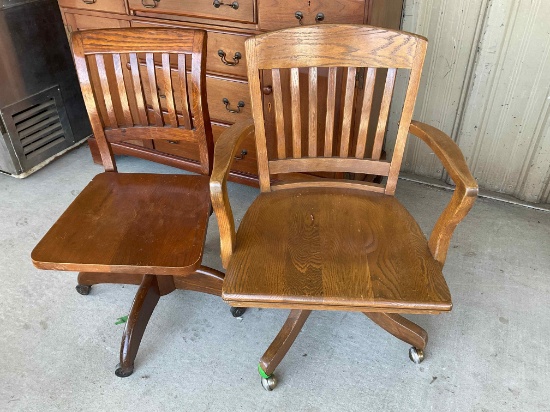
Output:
x,y
335,244
136,228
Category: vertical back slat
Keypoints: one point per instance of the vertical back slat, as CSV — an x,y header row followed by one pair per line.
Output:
x,y
84,71
331,107
117,63
296,115
149,60
348,111
384,111
138,90
312,147
257,113
182,74
169,93
365,113
406,117
279,115
100,62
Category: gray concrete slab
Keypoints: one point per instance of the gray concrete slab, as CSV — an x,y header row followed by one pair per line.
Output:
x,y
58,350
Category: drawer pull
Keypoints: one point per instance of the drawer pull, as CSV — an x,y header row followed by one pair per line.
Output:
x,y
89,1
218,3
148,5
173,141
299,15
244,152
225,101
235,61
267,90
319,17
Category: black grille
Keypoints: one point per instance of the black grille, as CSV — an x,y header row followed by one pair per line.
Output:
x,y
38,128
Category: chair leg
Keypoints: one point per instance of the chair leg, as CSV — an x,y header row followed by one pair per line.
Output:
x,y
144,304
87,279
204,279
404,330
280,346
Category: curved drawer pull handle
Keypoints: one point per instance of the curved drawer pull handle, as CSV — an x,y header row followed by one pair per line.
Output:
x,y
244,152
89,1
236,58
299,15
320,17
147,5
240,105
218,3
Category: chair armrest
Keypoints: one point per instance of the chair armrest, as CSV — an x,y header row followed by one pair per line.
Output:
x,y
224,154
465,192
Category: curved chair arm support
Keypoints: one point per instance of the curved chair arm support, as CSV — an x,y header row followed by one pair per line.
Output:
x,y
224,153
465,192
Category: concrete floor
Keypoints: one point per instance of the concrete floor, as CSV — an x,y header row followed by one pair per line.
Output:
x,y
58,349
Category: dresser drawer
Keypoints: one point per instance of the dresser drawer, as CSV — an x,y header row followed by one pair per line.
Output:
x,y
225,51
85,22
226,54
113,6
228,101
245,160
281,14
231,10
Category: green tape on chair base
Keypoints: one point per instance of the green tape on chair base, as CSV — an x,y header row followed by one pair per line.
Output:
x,y
121,320
262,373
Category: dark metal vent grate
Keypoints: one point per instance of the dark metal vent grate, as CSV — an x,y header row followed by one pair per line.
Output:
x,y
39,128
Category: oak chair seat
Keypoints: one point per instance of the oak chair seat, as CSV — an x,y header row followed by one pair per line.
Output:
x,y
114,225
333,249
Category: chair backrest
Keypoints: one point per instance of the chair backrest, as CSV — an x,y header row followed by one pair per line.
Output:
x,y
329,134
136,86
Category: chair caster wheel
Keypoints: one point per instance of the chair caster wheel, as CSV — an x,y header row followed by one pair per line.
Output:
x,y
416,355
237,312
122,372
269,383
83,289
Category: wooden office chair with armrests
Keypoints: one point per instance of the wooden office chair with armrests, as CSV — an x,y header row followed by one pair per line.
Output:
x,y
136,228
335,244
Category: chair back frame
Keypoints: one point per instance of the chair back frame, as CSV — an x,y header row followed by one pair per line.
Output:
x,y
333,46
145,120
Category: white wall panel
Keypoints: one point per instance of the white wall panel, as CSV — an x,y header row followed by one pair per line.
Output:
x,y
486,83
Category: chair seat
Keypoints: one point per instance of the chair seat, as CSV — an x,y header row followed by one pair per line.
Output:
x,y
333,249
131,223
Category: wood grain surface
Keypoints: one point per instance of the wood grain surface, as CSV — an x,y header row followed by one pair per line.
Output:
x,y
130,223
333,249
465,192
344,46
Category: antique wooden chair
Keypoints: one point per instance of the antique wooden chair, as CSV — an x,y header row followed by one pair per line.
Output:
x,y
334,244
136,228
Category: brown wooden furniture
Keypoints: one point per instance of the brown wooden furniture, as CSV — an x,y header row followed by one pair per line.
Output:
x,y
136,228
334,244
228,27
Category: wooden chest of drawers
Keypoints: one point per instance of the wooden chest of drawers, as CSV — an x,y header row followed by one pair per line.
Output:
x,y
229,23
